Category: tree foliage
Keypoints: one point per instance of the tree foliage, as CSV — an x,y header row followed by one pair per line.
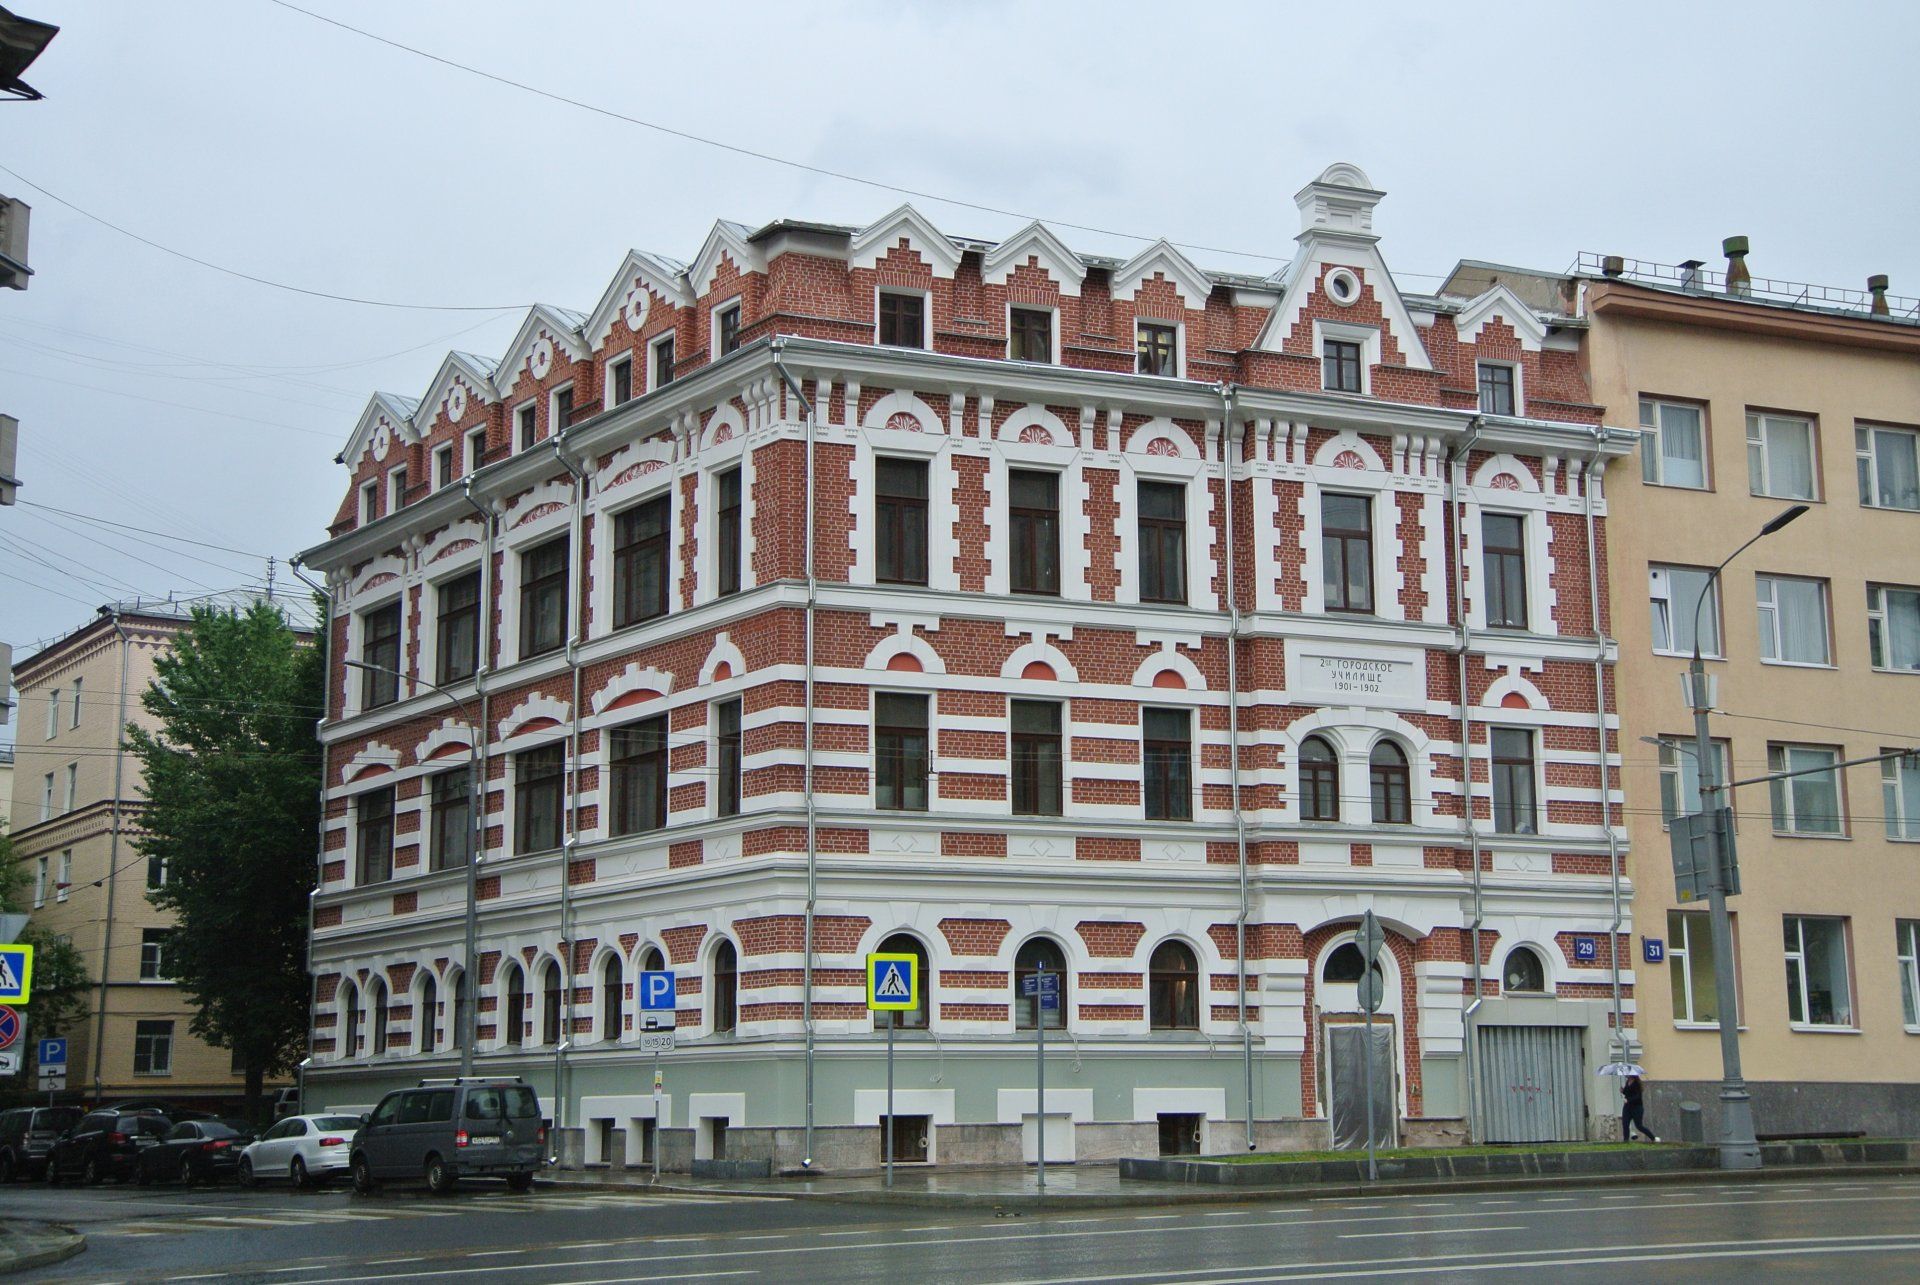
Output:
x,y
60,981
232,778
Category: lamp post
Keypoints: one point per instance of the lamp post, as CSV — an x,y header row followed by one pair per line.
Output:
x,y
468,981
1739,1149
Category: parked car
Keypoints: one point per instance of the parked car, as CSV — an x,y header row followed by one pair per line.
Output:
x,y
194,1151
303,1149
447,1130
105,1144
27,1134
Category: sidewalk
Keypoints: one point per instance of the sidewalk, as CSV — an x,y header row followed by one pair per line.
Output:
x,y
26,1244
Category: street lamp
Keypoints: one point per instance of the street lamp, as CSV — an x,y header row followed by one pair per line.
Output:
x,y
1739,1149
468,981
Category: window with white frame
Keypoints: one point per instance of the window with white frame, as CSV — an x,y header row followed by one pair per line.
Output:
x,y
1498,389
1888,462
1673,445
620,381
1030,334
1503,552
1893,627
63,875
397,489
1793,620
46,798
53,713
40,877
1515,805
1906,936
1342,368
1673,594
1780,456
153,954
526,426
1157,348
153,1048
902,319
726,328
560,410
369,501
78,683
660,361
443,471
1900,795
1809,803
73,786
1819,990
1680,776
476,448
1690,968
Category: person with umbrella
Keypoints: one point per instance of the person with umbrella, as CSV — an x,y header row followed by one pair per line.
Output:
x,y
1633,1107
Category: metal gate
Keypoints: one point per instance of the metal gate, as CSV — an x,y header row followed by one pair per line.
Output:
x,y
1532,1084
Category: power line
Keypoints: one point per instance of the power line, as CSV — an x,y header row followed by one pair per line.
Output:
x,y
158,401
47,589
91,538
87,517
106,586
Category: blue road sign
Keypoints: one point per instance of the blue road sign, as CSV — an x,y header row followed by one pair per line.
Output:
x,y
1045,985
893,982
16,974
1586,948
657,992
53,1053
1653,950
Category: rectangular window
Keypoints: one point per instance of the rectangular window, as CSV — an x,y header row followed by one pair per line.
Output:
x,y
1346,552
1906,936
1680,776
1157,349
1780,456
900,752
727,532
373,836
380,647
46,799
156,872
527,420
458,640
662,361
543,598
40,878
1034,511
1793,620
1340,366
539,781
641,552
443,466
1888,461
1496,389
397,489
903,320
1673,594
1673,444
900,521
1038,762
53,713
153,954
1166,761
1163,542
562,417
729,757
369,502
620,380
726,324
1031,337
1819,991
1503,538
78,684
63,875
1690,968
72,786
1893,627
476,449
1514,808
452,819
1900,793
153,1048
1808,804
637,761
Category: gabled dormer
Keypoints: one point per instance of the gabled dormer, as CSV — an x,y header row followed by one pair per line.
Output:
x,y
462,382
1162,259
1500,303
874,242
1036,242
386,423
642,280
548,335
726,241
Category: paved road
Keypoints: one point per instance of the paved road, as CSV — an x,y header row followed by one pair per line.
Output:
x,y
1865,1230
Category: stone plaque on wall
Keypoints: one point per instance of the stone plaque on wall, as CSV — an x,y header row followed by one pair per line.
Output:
x,y
1354,674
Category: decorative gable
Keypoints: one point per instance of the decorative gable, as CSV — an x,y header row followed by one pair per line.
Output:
x,y
387,421
726,240
872,243
462,381
1035,242
1500,302
1160,257
641,278
547,335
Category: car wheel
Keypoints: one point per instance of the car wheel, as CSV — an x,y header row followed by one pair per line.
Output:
x,y
90,1173
297,1171
246,1172
363,1177
53,1172
142,1177
520,1182
440,1179
187,1174
6,1169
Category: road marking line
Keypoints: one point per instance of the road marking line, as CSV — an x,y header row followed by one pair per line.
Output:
x,y
1153,1218
1424,1231
767,1236
870,1231
944,1227
388,1262
498,1253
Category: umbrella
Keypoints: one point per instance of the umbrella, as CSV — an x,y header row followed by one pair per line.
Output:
x,y
1623,1068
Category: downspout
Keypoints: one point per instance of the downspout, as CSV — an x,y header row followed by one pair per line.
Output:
x,y
1458,462
1600,733
1228,457
480,762
113,853
326,707
578,614
806,758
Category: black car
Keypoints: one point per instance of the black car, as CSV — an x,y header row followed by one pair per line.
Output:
x,y
27,1134
194,1151
105,1144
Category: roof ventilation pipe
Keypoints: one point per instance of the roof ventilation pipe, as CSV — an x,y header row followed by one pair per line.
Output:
x,y
1690,273
1739,280
1877,284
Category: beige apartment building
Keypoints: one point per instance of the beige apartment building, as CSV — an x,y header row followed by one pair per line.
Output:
x,y
76,806
1752,396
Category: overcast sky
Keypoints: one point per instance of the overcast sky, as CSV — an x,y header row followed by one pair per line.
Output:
x,y
160,394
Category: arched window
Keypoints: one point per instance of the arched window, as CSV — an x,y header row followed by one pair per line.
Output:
x,y
1524,971
1319,781
653,961
1173,988
1035,956
1345,964
550,1004
457,1033
726,988
913,1019
1392,789
425,1015
516,1031
350,1012
377,1004
613,995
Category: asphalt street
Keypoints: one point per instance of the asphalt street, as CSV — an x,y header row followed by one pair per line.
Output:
x,y
1864,1230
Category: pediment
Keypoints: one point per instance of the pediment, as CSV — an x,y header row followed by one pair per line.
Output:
x,y
387,421
462,379
546,334
1161,257
726,240
871,243
1500,301
640,277
1035,241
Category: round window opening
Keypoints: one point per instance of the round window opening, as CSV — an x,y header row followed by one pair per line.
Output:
x,y
1524,972
1343,286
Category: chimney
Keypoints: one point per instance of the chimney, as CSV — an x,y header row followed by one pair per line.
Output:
x,y
1690,273
1613,266
1739,280
1877,283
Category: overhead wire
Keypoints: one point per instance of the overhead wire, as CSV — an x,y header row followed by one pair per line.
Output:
x,y
161,401
115,547
88,517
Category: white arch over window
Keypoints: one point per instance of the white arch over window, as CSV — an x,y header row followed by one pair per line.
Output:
x,y
725,425
1492,471
537,503
905,643
629,681
724,652
1147,440
903,402
1328,456
455,537
1038,418
631,463
1044,653
1513,683
451,734
534,708
1169,661
374,757
379,573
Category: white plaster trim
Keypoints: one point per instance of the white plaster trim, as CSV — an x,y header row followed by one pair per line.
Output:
x,y
872,243
1500,301
535,706
629,680
1036,241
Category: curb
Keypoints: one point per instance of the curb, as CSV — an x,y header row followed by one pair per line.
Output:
x,y
66,1243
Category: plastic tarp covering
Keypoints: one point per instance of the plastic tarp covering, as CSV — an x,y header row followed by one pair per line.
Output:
x,y
1346,1100
1532,1084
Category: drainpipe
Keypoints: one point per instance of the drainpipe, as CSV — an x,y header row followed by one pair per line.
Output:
x,y
326,705
1229,455
575,580
1459,460
479,761
113,853
1600,732
806,771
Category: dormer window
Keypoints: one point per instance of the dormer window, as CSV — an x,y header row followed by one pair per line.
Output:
x,y
562,417
726,328
903,320
526,425
662,361
443,466
620,381
476,449
1340,366
1157,348
1030,334
1497,390
369,502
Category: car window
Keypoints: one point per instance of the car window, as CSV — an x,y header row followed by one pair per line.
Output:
x,y
413,1107
152,1126
439,1106
522,1104
386,1112
218,1129
333,1122
93,1123
298,1128
180,1131
54,1118
483,1104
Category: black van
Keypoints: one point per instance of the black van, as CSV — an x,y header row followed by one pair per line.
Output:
x,y
27,1134
446,1130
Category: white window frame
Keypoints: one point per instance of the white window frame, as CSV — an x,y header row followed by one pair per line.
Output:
x,y
1906,941
1519,385
369,500
1675,754
1536,769
1867,462
77,684
513,424
1879,631
1179,346
1663,609
41,875
53,713
1796,959
1767,607
1366,336
476,447
443,454
396,488
554,427
1685,950
738,301
1780,758
1760,459
159,962
926,312
1653,453
606,390
653,359
156,1066
1053,329
63,875
46,799
72,786
1901,800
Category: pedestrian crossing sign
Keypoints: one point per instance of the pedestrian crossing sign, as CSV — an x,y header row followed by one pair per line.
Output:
x,y
893,983
16,974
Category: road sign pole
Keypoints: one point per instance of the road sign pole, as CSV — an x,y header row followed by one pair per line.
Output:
x,y
659,1125
1040,1075
1366,1070
891,1015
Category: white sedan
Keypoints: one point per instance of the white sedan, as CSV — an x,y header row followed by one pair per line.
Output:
x,y
303,1149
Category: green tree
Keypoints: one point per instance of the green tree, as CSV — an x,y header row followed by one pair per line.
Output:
x,y
60,981
232,779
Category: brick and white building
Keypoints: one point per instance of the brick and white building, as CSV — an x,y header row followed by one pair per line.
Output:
x,y
1061,507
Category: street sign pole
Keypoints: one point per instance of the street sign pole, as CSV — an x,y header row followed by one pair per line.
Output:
x,y
1040,1074
891,1016
659,1133
1370,939
1366,1065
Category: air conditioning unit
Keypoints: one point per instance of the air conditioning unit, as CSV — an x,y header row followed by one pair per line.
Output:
x,y
13,242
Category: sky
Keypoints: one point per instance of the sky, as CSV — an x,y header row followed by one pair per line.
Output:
x,y
171,398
